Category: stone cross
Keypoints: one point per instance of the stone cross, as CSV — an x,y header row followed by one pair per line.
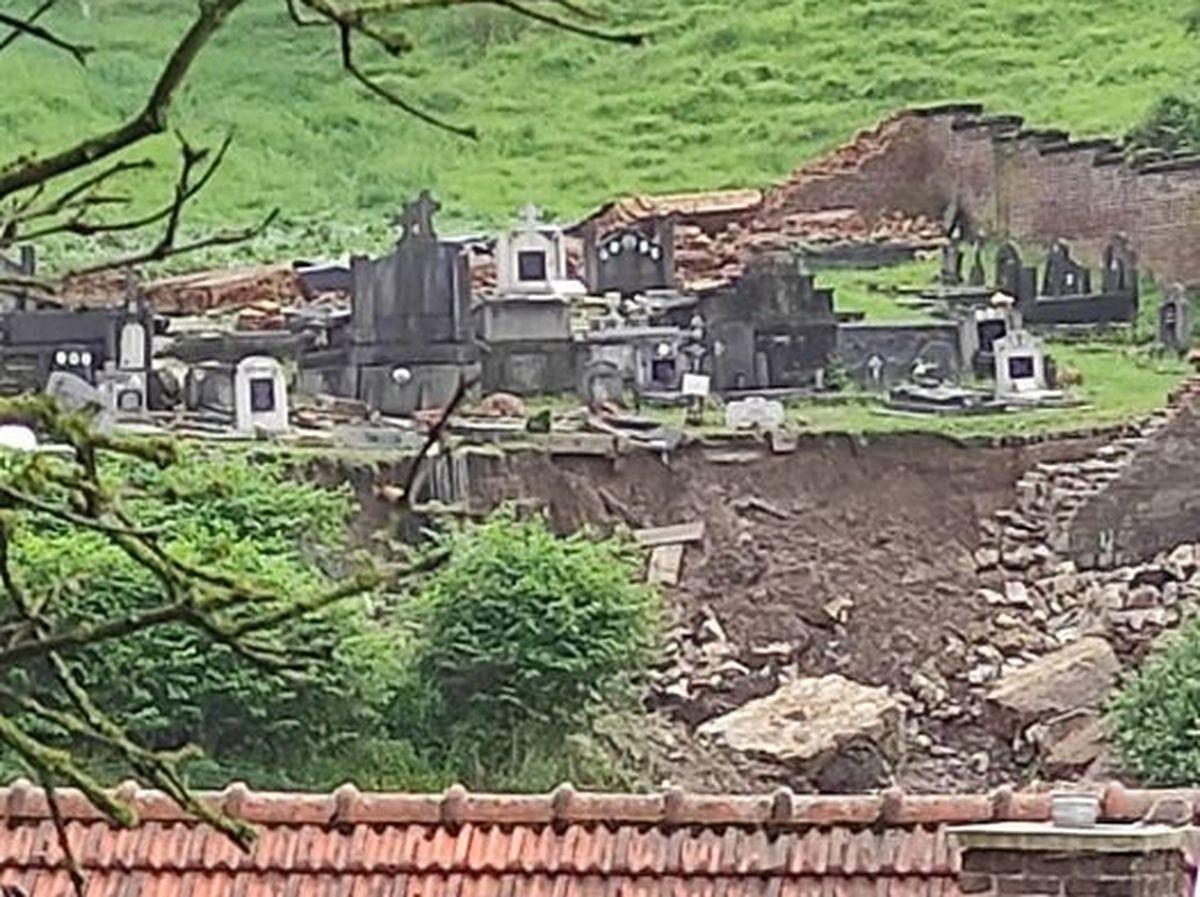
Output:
x,y
417,217
531,216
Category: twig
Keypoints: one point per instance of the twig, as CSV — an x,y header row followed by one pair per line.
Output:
x,y
28,26
46,6
435,434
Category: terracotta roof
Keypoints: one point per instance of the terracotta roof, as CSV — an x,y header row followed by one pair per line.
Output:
x,y
353,844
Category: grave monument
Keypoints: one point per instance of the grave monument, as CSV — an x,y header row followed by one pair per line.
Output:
x,y
411,311
526,325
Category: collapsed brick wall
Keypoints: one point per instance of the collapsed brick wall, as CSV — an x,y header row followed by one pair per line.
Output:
x,y
1034,186
1153,504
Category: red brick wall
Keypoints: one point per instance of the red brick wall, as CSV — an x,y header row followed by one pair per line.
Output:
x,y
1012,183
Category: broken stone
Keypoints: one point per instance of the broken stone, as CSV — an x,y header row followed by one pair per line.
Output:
x,y
987,558
1020,557
711,630
1182,561
1143,596
992,597
1017,594
1078,676
1070,744
773,653
805,723
839,609
982,674
1140,619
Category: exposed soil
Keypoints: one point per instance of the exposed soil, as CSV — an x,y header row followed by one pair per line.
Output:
x,y
890,524
857,553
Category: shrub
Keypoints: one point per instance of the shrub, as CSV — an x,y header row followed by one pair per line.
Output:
x,y
522,633
1173,125
1156,715
172,685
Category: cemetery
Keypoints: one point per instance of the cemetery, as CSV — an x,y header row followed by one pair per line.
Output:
x,y
917,492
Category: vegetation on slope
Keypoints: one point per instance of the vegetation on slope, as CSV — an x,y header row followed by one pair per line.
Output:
x,y
410,695
728,92
1156,715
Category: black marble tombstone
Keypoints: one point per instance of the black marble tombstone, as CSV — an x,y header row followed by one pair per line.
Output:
x,y
1120,268
772,329
632,259
1064,276
1175,321
411,314
1008,270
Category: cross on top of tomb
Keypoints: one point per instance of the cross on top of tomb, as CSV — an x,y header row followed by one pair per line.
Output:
x,y
531,216
417,217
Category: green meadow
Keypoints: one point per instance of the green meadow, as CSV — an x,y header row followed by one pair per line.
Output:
x,y
724,93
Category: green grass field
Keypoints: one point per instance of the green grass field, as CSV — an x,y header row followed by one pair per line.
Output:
x,y
727,93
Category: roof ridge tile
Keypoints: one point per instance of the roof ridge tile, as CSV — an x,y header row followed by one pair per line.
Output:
x,y
564,807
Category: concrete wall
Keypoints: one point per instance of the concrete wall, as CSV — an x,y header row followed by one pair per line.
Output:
x,y
1033,186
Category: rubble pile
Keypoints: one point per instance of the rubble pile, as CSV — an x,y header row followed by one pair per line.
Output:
x,y
866,145
703,260
1021,688
194,293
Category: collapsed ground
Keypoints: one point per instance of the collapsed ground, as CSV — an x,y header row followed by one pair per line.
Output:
x,y
907,563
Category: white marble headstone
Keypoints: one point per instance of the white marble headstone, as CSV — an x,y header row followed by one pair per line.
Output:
x,y
260,396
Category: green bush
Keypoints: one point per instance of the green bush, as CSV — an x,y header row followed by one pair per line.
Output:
x,y
522,634
1156,715
1173,125
172,685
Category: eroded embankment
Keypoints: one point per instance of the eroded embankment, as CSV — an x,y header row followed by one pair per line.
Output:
x,y
913,563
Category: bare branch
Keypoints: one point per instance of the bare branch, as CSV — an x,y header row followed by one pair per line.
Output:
x,y
435,435
152,119
46,6
37,32
346,33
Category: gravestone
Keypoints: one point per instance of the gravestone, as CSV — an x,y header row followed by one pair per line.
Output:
x,y
754,413
418,295
1020,365
526,326
1120,267
602,383
773,328
260,396
875,365
411,309
951,273
630,260
1064,276
531,258
1008,270
72,392
1175,321
977,277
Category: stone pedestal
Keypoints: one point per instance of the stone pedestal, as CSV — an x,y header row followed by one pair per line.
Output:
x,y
1025,859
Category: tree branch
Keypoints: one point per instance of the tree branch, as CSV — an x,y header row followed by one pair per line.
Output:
x,y
37,32
152,119
8,39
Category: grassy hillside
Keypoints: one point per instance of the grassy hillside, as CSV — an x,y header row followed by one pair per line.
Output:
x,y
730,92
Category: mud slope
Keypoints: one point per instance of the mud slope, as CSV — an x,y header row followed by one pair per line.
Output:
x,y
889,525
846,556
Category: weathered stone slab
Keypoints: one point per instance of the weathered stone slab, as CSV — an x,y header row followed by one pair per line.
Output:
x,y
1078,676
810,720
670,535
665,564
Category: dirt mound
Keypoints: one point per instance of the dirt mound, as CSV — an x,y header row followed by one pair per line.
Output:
x,y
850,557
